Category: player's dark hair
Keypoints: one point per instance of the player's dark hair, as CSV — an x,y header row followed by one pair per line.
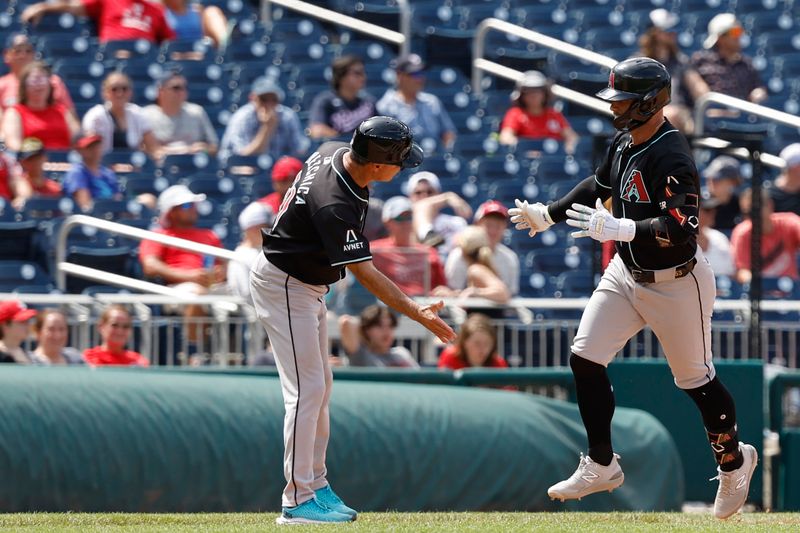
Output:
x,y
475,323
372,316
341,67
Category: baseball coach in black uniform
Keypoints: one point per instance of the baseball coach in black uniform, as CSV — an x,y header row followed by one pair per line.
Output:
x,y
317,235
658,278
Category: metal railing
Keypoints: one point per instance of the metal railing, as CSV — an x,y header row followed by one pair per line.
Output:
x,y
228,303
401,39
481,65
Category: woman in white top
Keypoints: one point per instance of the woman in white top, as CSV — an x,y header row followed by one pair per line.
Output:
x,y
120,123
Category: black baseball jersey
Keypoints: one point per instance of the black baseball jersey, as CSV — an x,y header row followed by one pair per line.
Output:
x,y
655,184
318,228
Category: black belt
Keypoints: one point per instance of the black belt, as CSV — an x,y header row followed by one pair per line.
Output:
x,y
649,276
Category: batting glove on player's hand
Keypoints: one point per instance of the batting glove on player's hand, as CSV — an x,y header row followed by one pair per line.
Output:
x,y
599,224
532,217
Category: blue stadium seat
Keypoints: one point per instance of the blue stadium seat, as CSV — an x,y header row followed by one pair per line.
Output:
x,y
16,274
216,188
46,208
116,210
115,260
19,239
179,165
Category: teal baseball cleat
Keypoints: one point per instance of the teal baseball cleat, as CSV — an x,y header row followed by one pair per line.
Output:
x,y
329,499
311,512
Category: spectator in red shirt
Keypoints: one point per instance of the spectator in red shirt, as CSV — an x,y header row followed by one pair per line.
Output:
x,y
115,330
32,157
181,269
14,329
283,173
116,20
475,346
18,54
780,240
37,114
415,268
532,115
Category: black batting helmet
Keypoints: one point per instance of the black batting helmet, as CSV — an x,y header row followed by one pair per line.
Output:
x,y
386,141
641,79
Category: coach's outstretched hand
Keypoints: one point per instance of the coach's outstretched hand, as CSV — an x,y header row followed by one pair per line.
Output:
x,y
429,317
533,217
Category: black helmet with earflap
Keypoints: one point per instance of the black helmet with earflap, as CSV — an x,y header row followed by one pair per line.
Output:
x,y
386,141
644,80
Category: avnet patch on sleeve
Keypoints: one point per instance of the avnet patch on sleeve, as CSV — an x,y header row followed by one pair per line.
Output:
x,y
344,242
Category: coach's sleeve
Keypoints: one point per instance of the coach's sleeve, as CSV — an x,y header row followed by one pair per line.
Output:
x,y
340,231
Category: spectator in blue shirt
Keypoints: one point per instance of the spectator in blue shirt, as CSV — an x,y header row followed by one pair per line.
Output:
x,y
264,125
423,112
89,180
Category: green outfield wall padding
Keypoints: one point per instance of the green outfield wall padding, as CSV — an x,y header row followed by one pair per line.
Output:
x,y
649,385
789,477
158,441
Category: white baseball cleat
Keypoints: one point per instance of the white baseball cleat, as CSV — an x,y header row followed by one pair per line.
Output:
x,y
734,485
590,477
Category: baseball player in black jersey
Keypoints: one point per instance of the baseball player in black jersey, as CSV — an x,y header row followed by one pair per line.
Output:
x,y
317,234
658,278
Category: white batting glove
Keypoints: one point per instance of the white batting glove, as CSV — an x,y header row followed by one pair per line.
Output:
x,y
599,224
533,217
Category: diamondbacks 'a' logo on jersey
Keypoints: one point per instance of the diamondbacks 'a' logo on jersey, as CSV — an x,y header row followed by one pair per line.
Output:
x,y
351,236
634,189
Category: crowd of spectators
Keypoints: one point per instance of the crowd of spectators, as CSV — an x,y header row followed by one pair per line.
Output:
x,y
423,241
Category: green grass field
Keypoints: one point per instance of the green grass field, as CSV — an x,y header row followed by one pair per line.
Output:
x,y
406,522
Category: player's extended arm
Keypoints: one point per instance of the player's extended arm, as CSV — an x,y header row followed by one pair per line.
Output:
x,y
387,292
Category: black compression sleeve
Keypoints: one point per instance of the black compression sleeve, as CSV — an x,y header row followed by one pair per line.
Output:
x,y
583,193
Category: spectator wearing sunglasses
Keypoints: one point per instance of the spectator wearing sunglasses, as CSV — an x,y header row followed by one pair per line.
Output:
x,y
422,111
187,271
338,112
414,267
115,327
18,54
179,126
264,126
121,123
722,67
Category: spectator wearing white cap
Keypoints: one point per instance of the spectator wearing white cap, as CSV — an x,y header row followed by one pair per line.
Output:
x,y
660,42
253,218
721,67
431,225
492,216
264,125
786,189
188,271
414,267
532,115
422,111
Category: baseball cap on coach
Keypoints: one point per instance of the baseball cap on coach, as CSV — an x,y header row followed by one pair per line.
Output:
x,y
386,141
